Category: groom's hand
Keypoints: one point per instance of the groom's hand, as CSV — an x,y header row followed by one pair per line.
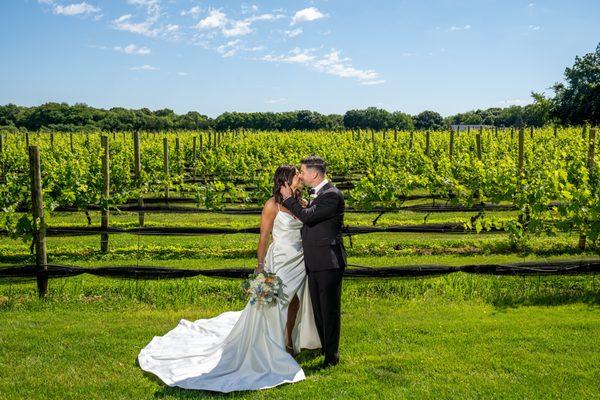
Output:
x,y
286,191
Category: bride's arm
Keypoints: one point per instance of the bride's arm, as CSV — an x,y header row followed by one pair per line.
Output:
x,y
267,218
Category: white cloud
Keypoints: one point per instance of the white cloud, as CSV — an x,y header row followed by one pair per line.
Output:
x,y
144,67
193,12
531,4
133,49
534,27
293,32
229,49
330,63
181,73
150,25
275,101
238,28
460,28
215,19
75,9
123,23
306,15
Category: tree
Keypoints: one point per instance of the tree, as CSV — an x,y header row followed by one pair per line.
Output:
x,y
578,100
429,120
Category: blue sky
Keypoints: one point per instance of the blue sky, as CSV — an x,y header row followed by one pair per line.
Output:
x,y
327,56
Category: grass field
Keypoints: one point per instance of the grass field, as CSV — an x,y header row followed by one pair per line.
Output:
x,y
457,336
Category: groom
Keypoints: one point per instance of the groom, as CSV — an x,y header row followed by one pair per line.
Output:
x,y
324,252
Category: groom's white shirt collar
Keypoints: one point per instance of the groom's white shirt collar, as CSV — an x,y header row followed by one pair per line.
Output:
x,y
320,186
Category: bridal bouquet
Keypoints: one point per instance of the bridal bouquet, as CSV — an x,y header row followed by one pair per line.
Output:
x,y
264,288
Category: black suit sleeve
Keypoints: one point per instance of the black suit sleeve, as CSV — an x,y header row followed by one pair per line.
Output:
x,y
324,207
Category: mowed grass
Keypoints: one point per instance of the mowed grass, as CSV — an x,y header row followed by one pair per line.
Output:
x,y
458,336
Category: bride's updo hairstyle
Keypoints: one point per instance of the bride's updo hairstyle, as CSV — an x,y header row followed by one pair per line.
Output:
x,y
284,174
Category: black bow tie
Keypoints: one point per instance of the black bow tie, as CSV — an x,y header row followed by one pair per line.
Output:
x,y
312,191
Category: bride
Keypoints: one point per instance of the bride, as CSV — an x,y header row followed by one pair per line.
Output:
x,y
249,349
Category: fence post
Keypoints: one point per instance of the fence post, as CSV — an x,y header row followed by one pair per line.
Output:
x,y
427,141
178,154
1,155
138,172
39,225
478,142
166,166
71,141
395,135
105,194
590,166
451,150
194,151
52,140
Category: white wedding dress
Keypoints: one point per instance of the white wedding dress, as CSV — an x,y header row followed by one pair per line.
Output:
x,y
242,350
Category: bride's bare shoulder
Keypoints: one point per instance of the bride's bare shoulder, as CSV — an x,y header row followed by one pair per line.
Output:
x,y
270,206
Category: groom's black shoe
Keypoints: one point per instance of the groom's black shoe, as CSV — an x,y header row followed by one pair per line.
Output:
x,y
331,360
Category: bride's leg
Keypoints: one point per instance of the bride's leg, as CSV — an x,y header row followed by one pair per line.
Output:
x,y
291,320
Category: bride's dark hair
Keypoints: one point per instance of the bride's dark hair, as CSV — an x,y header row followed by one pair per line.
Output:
x,y
283,174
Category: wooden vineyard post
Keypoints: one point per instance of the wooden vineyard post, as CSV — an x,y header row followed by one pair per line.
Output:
x,y
411,141
512,133
427,142
27,140
451,149
468,129
71,142
138,172
496,132
52,140
395,135
384,135
555,132
39,226
201,140
373,136
531,132
166,166
590,166
105,195
521,150
194,150
584,132
87,139
522,218
114,135
478,143
1,155
178,154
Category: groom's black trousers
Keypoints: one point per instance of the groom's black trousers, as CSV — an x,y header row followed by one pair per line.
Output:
x,y
326,293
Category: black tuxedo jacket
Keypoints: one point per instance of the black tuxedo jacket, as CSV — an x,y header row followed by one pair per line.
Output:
x,y
322,230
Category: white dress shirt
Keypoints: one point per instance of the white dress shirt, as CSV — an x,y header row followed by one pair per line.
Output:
x,y
320,186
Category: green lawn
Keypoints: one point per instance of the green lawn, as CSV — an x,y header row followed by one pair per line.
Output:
x,y
459,336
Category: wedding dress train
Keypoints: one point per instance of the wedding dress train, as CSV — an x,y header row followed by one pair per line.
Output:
x,y
242,350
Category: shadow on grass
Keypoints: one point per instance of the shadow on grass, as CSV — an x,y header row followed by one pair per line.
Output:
x,y
589,297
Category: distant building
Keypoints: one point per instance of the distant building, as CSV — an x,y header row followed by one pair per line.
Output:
x,y
462,127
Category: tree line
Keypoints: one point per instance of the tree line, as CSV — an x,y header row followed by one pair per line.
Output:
x,y
576,101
